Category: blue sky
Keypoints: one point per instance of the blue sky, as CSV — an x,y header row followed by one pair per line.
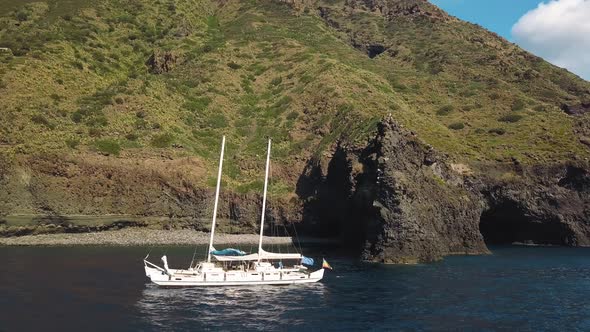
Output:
x,y
495,15
556,30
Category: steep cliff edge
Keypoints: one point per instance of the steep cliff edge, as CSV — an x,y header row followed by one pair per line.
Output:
x,y
397,200
393,200
117,107
423,210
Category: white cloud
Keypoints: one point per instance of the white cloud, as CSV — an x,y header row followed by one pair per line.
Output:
x,y
558,31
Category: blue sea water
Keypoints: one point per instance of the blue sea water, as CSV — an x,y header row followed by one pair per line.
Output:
x,y
104,289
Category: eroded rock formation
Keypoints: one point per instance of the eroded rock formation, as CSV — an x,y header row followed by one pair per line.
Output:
x,y
395,200
422,209
399,201
542,205
161,61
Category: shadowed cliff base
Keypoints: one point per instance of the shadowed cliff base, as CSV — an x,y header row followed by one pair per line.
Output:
x,y
507,223
336,204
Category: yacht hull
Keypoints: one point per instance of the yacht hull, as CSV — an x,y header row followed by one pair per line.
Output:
x,y
189,283
164,279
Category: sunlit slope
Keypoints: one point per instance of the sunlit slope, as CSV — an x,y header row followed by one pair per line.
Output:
x,y
139,77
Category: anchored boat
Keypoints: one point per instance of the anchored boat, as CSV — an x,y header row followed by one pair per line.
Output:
x,y
233,267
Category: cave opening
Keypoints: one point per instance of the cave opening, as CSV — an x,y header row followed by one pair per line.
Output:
x,y
374,50
337,203
334,195
508,223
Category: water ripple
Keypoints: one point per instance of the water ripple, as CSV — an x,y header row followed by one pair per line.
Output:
x,y
104,289
252,307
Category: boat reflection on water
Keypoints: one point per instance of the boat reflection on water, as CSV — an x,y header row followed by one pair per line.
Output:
x,y
253,307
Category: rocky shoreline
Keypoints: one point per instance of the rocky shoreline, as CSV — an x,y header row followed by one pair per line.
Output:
x,y
395,200
141,237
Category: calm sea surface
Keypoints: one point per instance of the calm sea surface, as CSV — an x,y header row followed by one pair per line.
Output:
x,y
104,289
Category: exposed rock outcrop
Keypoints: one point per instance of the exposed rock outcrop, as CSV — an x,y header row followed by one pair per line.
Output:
x,y
422,209
395,200
399,201
391,9
578,109
161,61
540,205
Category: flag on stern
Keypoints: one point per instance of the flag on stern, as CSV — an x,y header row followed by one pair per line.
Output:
x,y
306,261
325,265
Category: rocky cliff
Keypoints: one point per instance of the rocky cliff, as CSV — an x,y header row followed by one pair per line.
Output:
x,y
422,208
403,202
117,108
394,200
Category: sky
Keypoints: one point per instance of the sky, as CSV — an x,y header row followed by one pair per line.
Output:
x,y
557,30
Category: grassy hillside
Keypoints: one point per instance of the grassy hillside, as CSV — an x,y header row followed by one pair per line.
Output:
x,y
168,78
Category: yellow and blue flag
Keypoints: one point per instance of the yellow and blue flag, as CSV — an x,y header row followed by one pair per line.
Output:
x,y
325,265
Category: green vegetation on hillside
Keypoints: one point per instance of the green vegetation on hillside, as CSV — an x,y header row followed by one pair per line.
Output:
x,y
115,76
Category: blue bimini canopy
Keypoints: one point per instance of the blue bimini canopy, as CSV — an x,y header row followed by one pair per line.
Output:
x,y
228,252
307,261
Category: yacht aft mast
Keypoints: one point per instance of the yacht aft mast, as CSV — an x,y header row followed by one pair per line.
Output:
x,y
252,269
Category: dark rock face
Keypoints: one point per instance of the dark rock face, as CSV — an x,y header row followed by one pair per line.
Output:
x,y
422,209
395,8
545,205
395,200
337,199
425,210
161,62
578,109
398,201
60,224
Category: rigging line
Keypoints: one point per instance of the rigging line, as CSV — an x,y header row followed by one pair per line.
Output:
x,y
275,232
286,233
194,254
269,204
296,237
150,248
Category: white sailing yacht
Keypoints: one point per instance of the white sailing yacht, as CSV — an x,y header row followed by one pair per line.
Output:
x,y
234,267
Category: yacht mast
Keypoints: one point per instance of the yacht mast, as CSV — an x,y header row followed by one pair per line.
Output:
x,y
264,201
216,201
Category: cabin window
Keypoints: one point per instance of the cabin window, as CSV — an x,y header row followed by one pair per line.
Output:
x,y
178,278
